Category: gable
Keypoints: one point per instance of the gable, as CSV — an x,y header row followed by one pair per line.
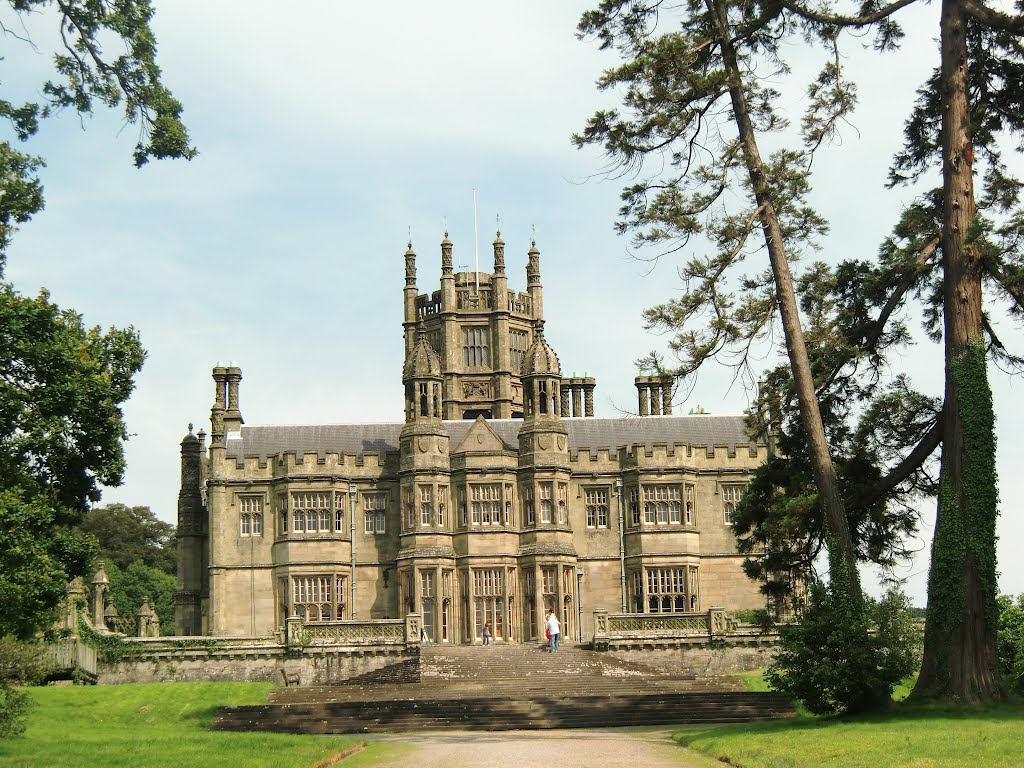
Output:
x,y
481,438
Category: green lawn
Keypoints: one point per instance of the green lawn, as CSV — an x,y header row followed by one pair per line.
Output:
x,y
911,736
161,725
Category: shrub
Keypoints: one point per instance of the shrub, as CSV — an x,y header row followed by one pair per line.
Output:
x,y
841,660
19,664
1011,641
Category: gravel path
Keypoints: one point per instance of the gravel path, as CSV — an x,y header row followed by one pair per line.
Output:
x,y
605,748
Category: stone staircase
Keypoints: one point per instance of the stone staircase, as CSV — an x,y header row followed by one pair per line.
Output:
x,y
513,687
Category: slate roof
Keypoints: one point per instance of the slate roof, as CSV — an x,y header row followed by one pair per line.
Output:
x,y
584,434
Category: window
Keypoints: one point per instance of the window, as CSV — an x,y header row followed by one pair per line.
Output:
x,y
508,505
426,505
463,512
547,583
689,510
517,342
547,505
252,515
476,347
410,509
427,601
442,504
489,600
282,514
634,506
662,505
319,597
434,340
426,584
311,513
731,495
597,507
339,511
636,584
375,512
528,509
666,590
485,501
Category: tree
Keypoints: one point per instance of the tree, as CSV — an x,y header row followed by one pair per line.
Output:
x,y
130,534
62,384
61,388
85,75
854,670
683,87
970,103
130,585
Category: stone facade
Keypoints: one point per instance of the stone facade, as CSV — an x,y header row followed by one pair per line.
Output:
x,y
498,497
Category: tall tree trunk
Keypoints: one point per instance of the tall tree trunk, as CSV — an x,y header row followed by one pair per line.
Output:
x,y
810,414
960,658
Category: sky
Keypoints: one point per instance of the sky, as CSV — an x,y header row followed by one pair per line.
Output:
x,y
328,134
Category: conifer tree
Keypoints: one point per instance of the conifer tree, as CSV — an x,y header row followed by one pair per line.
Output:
x,y
971,103
695,105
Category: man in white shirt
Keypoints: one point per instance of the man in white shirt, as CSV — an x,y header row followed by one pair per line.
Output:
x,y
554,631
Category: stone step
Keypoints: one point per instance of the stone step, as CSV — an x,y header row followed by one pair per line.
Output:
x,y
501,714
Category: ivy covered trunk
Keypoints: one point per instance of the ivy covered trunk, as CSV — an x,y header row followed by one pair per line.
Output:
x,y
823,470
960,632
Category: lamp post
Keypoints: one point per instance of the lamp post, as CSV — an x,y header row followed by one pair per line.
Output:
x,y
352,542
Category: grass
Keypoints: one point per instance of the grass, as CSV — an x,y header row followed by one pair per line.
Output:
x,y
910,736
160,725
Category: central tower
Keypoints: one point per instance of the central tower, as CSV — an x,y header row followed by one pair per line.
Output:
x,y
480,331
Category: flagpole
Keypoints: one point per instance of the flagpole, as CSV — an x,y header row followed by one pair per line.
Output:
x,y
476,244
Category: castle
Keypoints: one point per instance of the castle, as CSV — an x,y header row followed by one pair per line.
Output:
x,y
499,496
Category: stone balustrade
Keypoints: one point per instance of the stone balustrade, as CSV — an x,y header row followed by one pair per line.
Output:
x,y
662,628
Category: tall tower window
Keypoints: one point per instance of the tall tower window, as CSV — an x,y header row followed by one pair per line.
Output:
x,y
434,340
518,344
476,346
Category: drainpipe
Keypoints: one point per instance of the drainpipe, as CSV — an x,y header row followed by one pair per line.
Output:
x,y
579,602
352,542
622,546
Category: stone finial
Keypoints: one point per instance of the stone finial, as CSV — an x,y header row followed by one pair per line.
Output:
x,y
100,577
446,255
499,254
533,264
410,265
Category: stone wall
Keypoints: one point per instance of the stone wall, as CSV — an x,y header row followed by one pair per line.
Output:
x,y
259,660
703,659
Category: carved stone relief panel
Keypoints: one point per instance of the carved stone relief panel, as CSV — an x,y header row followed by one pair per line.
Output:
x,y
476,390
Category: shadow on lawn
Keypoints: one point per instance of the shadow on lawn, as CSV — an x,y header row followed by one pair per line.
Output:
x,y
1012,712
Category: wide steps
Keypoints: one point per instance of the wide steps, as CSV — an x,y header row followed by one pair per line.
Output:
x,y
495,713
514,687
